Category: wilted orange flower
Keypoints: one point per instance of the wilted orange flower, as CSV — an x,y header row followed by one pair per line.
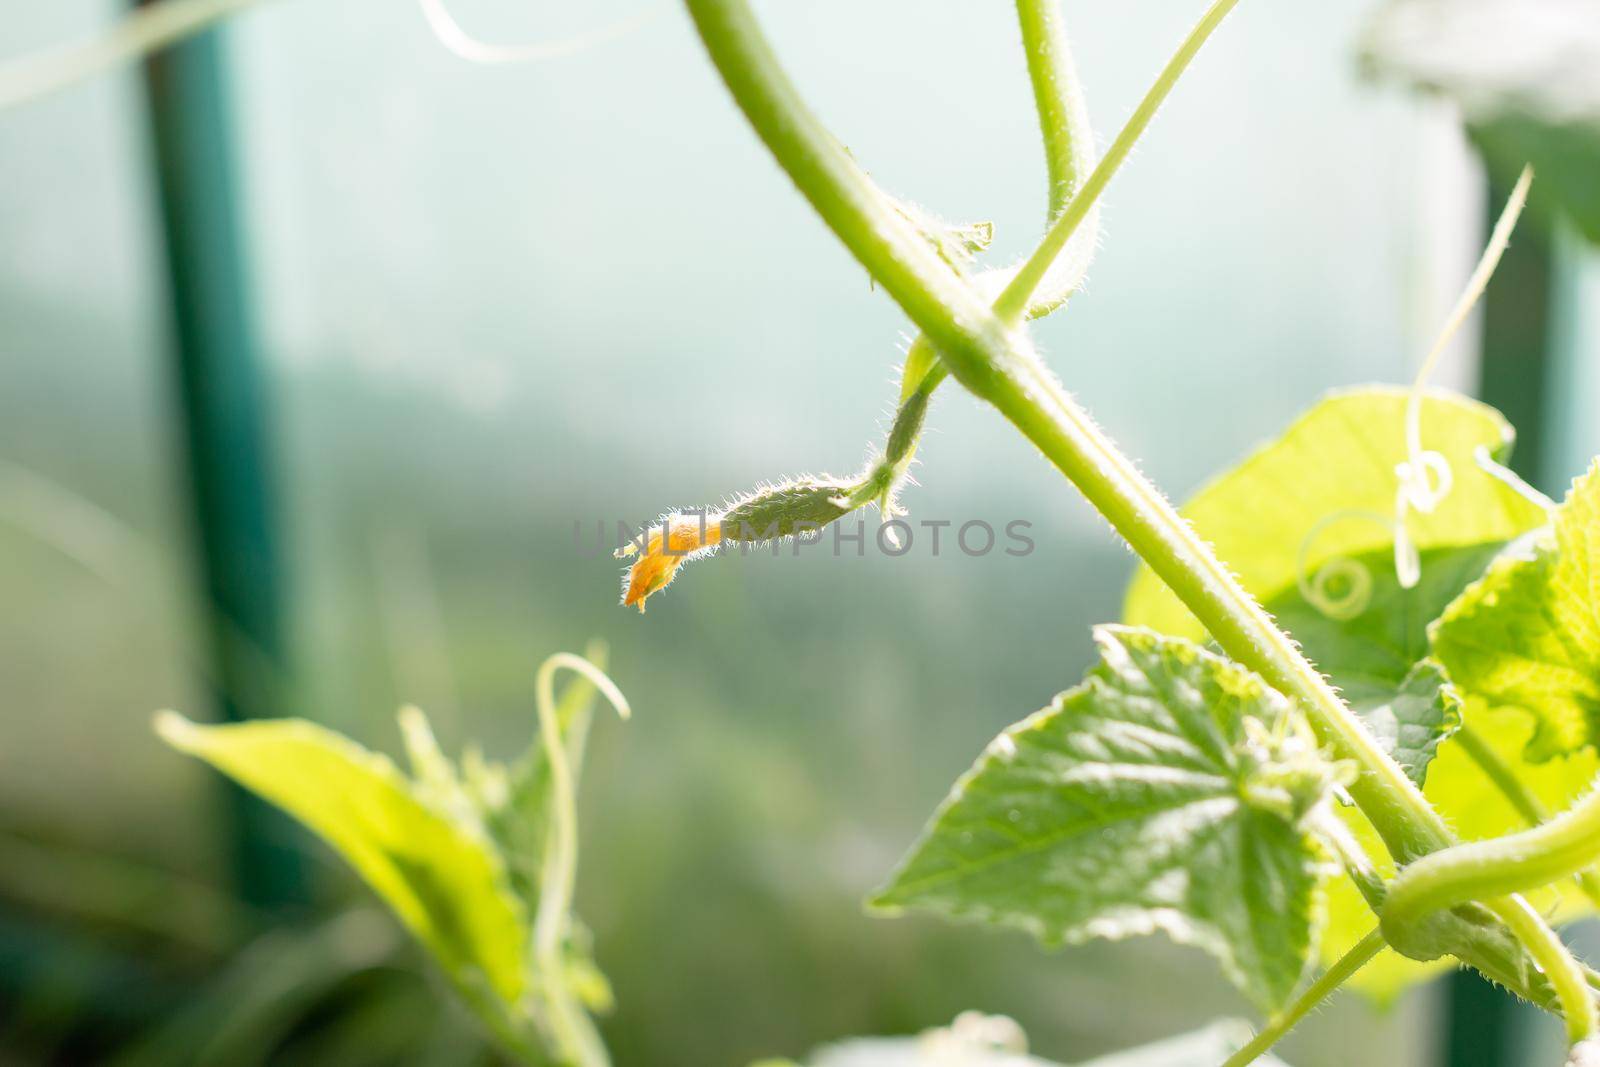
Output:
x,y
675,539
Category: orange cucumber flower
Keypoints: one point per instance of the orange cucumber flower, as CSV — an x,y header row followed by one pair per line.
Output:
x,y
670,543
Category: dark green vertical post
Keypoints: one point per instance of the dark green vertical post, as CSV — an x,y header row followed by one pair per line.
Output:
x,y
1517,360
224,424
1515,377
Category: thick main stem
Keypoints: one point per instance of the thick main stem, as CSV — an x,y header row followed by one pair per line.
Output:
x,y
994,360
1063,115
1069,157
1014,300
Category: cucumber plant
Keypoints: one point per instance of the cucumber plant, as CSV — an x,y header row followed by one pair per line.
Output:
x,y
1346,731
477,859
1303,712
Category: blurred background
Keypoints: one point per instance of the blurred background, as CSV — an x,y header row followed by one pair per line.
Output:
x,y
470,307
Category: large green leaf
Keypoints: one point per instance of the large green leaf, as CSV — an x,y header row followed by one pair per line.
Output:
x,y
1167,792
444,881
1325,490
1528,634
1522,72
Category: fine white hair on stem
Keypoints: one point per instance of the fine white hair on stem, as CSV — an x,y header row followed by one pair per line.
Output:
x,y
1425,477
132,37
463,44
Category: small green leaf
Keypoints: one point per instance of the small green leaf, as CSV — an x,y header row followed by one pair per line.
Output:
x,y
1412,721
445,883
1527,634
957,244
1167,792
1521,72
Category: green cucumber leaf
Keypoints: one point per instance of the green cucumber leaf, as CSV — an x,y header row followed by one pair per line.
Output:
x,y
1412,721
1521,72
1167,792
958,244
445,881
456,851
1527,634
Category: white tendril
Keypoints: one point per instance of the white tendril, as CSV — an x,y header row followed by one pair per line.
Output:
x,y
1407,560
561,859
1425,478
1318,588
1511,479
464,45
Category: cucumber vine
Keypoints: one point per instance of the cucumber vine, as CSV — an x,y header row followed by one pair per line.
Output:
x,y
1351,674
1019,846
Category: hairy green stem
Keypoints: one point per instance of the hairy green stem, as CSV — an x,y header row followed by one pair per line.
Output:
x,y
1028,395
1517,794
570,1028
994,360
996,363
1069,155
1358,866
1063,114
1565,974
929,289
1359,955
1017,295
